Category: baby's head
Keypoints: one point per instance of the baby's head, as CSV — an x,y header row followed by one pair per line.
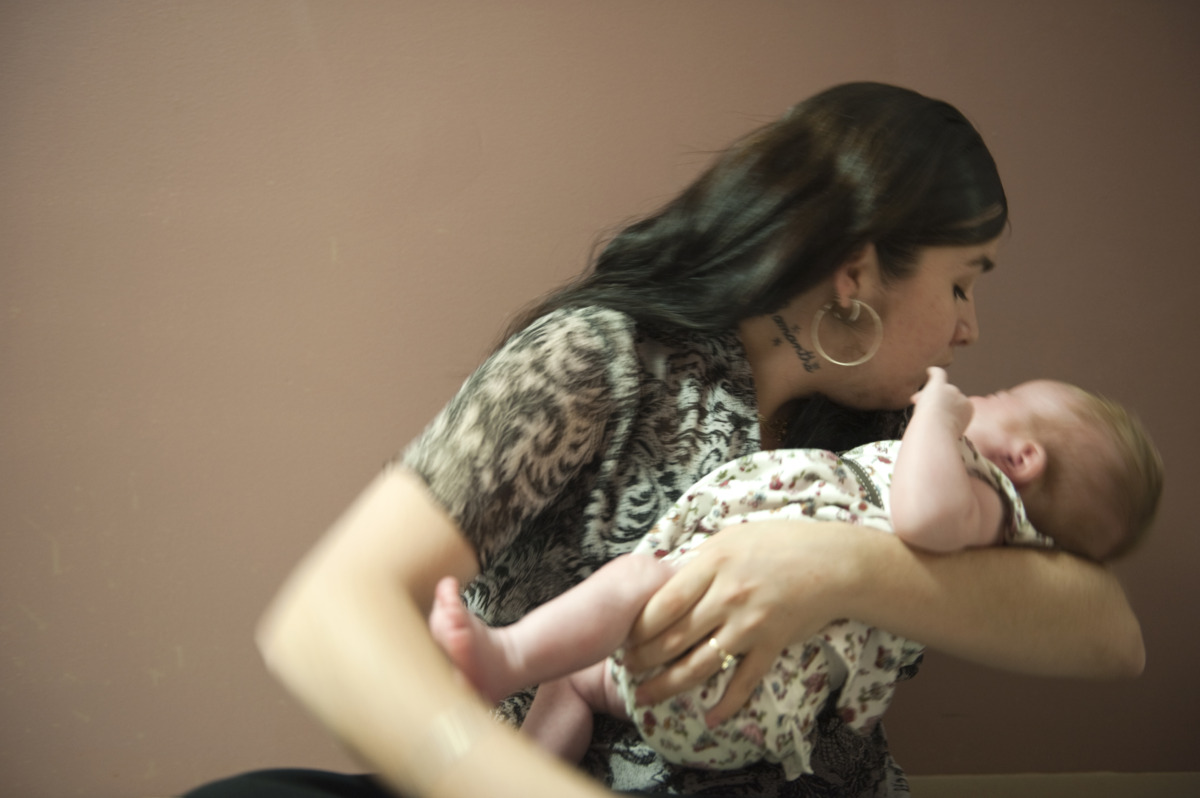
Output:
x,y
1088,473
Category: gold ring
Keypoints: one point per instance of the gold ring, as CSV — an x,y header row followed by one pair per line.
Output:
x,y
727,660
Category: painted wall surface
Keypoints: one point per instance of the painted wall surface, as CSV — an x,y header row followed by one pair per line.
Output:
x,y
247,250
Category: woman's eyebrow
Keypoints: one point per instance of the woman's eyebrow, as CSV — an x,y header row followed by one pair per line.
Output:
x,y
983,262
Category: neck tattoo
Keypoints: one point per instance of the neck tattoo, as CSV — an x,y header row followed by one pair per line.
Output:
x,y
809,359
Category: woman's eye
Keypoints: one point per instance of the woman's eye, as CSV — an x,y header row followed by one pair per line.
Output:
x,y
959,293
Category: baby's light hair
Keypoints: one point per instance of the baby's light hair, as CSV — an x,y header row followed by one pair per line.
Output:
x,y
1112,483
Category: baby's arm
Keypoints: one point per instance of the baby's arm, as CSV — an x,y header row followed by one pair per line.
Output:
x,y
936,504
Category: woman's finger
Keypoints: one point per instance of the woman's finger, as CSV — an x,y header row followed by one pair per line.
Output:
x,y
751,669
692,669
666,627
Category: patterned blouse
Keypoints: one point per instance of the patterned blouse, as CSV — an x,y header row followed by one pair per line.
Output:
x,y
560,453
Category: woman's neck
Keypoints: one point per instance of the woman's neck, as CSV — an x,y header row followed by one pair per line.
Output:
x,y
784,367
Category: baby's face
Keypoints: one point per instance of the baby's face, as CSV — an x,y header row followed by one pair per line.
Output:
x,y
1050,413
1002,416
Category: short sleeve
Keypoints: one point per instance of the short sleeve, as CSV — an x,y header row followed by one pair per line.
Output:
x,y
1018,530
527,422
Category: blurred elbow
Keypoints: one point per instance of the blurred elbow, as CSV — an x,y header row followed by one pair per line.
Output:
x,y
266,637
271,639
1133,653
1125,655
1135,659
1138,666
287,629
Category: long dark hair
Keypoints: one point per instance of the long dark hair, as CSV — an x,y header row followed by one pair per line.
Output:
x,y
783,207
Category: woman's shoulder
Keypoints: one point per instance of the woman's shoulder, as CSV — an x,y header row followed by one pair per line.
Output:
x,y
570,347
617,334
608,321
588,345
591,319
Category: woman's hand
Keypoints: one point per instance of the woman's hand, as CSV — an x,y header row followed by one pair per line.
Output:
x,y
754,588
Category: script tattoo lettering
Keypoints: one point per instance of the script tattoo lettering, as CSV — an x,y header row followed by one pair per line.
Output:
x,y
809,359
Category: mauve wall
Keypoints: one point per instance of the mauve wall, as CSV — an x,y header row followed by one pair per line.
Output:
x,y
249,248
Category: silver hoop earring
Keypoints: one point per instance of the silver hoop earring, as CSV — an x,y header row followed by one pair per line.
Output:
x,y
853,316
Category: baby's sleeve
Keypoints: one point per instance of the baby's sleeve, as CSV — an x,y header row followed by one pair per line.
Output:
x,y
1017,529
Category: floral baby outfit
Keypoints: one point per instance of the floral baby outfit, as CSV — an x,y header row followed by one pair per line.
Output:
x,y
849,660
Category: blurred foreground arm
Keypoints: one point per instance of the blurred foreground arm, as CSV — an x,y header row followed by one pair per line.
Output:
x,y
348,636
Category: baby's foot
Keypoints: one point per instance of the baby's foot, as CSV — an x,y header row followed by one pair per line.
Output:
x,y
472,645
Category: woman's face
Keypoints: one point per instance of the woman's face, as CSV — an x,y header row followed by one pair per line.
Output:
x,y
926,316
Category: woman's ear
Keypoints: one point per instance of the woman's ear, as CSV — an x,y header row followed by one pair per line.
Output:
x,y
1024,462
857,277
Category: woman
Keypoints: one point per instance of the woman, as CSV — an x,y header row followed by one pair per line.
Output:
x,y
795,293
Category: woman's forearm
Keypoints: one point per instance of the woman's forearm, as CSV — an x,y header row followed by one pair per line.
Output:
x,y
348,637
1031,611
758,587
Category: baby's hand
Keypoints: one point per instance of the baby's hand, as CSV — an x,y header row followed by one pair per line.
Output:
x,y
945,400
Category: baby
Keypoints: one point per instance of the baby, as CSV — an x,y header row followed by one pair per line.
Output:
x,y
1042,464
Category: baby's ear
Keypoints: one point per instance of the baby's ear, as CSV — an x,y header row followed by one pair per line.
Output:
x,y
1024,462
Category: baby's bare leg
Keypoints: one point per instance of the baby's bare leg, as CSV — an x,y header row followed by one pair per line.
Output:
x,y
560,719
577,629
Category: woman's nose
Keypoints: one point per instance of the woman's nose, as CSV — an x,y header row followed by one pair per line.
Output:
x,y
967,331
